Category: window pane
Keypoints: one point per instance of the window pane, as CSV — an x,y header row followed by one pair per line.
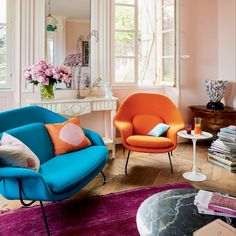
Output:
x,y
124,70
168,18
124,18
2,11
125,1
168,69
124,44
168,2
2,38
2,68
168,44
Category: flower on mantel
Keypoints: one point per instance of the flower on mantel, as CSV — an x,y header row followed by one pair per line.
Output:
x,y
46,74
73,60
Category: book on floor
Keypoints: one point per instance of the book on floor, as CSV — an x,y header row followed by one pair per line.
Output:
x,y
227,167
222,160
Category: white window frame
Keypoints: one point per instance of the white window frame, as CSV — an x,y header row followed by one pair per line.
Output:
x,y
135,57
9,43
161,78
159,69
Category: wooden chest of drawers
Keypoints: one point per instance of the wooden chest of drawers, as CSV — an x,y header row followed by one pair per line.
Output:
x,y
213,120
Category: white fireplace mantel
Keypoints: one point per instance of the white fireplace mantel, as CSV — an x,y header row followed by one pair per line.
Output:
x,y
74,107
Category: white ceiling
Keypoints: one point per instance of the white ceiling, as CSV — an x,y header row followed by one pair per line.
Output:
x,y
74,9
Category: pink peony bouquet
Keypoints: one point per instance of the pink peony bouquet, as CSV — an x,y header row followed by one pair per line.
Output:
x,y
46,74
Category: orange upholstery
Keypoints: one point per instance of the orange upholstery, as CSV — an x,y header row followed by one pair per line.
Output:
x,y
144,123
139,113
144,141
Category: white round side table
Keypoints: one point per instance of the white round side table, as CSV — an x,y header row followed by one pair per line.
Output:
x,y
194,175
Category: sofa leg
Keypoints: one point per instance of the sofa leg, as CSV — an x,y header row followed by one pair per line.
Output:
x,y
104,178
45,218
126,164
28,204
171,167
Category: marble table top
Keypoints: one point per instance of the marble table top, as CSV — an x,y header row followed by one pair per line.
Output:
x,y
172,212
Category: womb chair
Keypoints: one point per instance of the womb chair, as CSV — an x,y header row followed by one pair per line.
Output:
x,y
58,177
141,112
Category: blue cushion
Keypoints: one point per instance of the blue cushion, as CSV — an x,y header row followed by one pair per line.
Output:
x,y
36,137
159,130
63,172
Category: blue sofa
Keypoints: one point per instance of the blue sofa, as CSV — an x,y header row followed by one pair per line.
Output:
x,y
58,178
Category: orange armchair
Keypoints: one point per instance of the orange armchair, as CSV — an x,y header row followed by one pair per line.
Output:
x,y
138,114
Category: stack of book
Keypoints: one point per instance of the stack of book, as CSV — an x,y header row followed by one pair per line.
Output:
x,y
211,203
222,151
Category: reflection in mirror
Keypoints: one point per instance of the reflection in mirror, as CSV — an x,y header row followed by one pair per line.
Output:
x,y
68,43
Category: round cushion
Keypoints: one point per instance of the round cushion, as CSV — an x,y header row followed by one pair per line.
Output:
x,y
144,141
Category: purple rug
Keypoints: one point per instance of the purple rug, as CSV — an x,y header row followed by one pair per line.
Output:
x,y
113,214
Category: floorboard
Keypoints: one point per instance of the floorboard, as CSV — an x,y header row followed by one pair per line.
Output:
x,y
154,169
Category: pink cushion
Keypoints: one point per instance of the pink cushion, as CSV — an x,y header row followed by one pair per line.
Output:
x,y
14,153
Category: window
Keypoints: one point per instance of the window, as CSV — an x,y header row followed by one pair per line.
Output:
x,y
4,47
144,42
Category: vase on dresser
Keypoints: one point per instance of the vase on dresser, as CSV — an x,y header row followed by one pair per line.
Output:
x,y
215,90
47,92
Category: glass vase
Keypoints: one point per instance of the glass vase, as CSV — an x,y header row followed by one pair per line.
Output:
x,y
47,92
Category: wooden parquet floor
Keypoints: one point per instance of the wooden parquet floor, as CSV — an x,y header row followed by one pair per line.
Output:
x,y
154,169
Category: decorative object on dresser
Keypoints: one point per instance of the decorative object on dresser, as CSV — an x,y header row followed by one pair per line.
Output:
x,y
213,120
75,107
215,89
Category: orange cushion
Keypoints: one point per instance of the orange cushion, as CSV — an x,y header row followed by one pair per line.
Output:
x,y
67,136
144,123
144,141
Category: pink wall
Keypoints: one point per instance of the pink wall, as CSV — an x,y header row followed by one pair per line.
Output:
x,y
227,48
73,30
199,39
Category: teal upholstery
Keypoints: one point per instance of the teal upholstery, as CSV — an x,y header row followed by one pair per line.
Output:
x,y
61,175
58,177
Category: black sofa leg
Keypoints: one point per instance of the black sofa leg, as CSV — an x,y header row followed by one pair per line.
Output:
x,y
45,218
104,178
126,164
171,167
28,204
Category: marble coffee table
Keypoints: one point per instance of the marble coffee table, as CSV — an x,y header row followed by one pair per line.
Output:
x,y
172,213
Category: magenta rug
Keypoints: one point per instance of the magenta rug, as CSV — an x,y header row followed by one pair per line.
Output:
x,y
112,214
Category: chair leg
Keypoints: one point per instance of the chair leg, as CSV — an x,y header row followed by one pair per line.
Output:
x,y
171,153
45,218
104,178
171,167
126,164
